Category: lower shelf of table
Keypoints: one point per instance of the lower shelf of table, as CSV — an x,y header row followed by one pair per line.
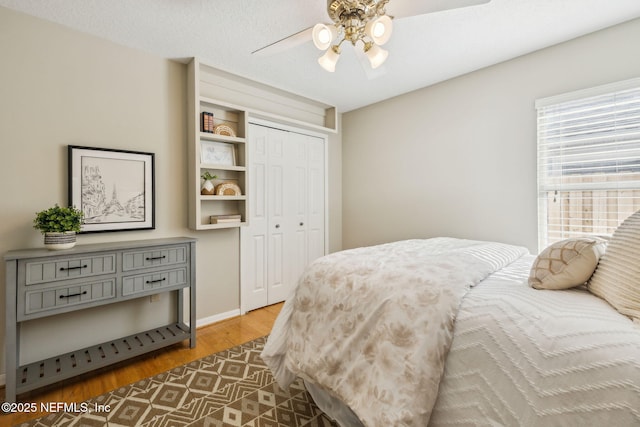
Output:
x,y
58,368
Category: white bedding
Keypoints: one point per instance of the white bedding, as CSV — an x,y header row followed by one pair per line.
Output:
x,y
527,357
373,325
519,356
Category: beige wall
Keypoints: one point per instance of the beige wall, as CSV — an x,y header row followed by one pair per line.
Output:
x,y
459,158
59,87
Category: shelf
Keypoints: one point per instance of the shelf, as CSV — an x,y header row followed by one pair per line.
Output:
x,y
219,226
221,138
223,198
223,167
57,368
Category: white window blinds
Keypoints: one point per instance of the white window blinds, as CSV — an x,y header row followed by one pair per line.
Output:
x,y
588,161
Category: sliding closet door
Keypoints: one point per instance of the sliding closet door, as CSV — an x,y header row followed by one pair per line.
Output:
x,y
286,213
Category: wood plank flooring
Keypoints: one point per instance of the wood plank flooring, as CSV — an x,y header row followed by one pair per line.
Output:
x,y
209,339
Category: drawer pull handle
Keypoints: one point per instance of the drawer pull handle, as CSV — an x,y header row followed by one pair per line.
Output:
x,y
73,295
156,281
156,257
73,268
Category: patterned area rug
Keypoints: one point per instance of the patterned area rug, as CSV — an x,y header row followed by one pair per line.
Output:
x,y
230,388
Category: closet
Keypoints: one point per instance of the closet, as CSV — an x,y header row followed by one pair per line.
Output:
x,y
286,215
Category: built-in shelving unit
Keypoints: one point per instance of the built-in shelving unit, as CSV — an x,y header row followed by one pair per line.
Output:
x,y
231,101
221,155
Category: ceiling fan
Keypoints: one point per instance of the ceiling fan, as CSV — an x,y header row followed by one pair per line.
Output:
x,y
369,22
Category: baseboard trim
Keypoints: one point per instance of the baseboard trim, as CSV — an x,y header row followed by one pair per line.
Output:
x,y
216,318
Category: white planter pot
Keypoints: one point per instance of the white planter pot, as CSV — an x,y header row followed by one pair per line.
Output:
x,y
57,241
207,189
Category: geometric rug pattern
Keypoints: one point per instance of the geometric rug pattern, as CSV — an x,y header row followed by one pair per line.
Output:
x,y
233,388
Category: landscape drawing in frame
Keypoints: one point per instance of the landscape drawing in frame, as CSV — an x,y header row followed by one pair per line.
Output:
x,y
114,188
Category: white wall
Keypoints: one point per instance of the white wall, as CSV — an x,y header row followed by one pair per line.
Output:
x,y
60,87
459,158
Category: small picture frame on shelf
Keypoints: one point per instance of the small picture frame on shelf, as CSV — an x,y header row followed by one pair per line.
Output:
x,y
217,153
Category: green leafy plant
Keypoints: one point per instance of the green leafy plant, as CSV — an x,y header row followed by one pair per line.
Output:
x,y
207,176
58,219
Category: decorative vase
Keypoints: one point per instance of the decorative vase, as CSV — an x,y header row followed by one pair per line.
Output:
x,y
57,241
207,189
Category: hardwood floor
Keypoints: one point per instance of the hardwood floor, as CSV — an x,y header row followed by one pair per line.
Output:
x,y
209,339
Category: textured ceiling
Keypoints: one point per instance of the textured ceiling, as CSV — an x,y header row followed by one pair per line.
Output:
x,y
423,49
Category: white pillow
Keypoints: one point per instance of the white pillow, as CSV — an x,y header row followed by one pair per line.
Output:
x,y
617,278
567,263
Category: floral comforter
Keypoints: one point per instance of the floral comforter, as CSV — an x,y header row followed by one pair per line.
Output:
x,y
373,325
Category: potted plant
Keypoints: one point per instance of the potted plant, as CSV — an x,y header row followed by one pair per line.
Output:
x,y
207,187
59,226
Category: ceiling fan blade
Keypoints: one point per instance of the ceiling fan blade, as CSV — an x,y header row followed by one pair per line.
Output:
x,y
406,8
286,43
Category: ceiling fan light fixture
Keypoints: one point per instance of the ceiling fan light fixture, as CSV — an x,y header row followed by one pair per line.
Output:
x,y
323,35
376,54
330,58
355,21
379,29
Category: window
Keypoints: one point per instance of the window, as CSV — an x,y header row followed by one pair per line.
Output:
x,y
588,161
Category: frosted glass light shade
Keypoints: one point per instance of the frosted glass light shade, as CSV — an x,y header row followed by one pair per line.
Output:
x,y
329,60
376,56
379,30
323,35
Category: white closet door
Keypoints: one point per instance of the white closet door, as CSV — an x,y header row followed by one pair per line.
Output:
x,y
254,240
298,217
308,204
277,202
315,198
286,223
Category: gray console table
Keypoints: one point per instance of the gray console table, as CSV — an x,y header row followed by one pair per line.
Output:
x,y
43,283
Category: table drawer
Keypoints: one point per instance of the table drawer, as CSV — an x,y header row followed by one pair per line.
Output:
x,y
41,300
136,260
152,281
51,270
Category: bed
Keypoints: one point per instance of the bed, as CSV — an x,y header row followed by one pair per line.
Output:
x,y
450,331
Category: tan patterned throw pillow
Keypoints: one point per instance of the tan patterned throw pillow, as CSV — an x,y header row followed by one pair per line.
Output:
x,y
617,278
567,263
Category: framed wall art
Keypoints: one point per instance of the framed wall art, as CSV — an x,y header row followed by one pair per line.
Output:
x,y
217,153
114,188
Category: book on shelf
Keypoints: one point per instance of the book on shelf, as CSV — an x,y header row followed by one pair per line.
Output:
x,y
206,122
222,219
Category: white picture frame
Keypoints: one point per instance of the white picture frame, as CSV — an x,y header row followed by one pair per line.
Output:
x,y
217,153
